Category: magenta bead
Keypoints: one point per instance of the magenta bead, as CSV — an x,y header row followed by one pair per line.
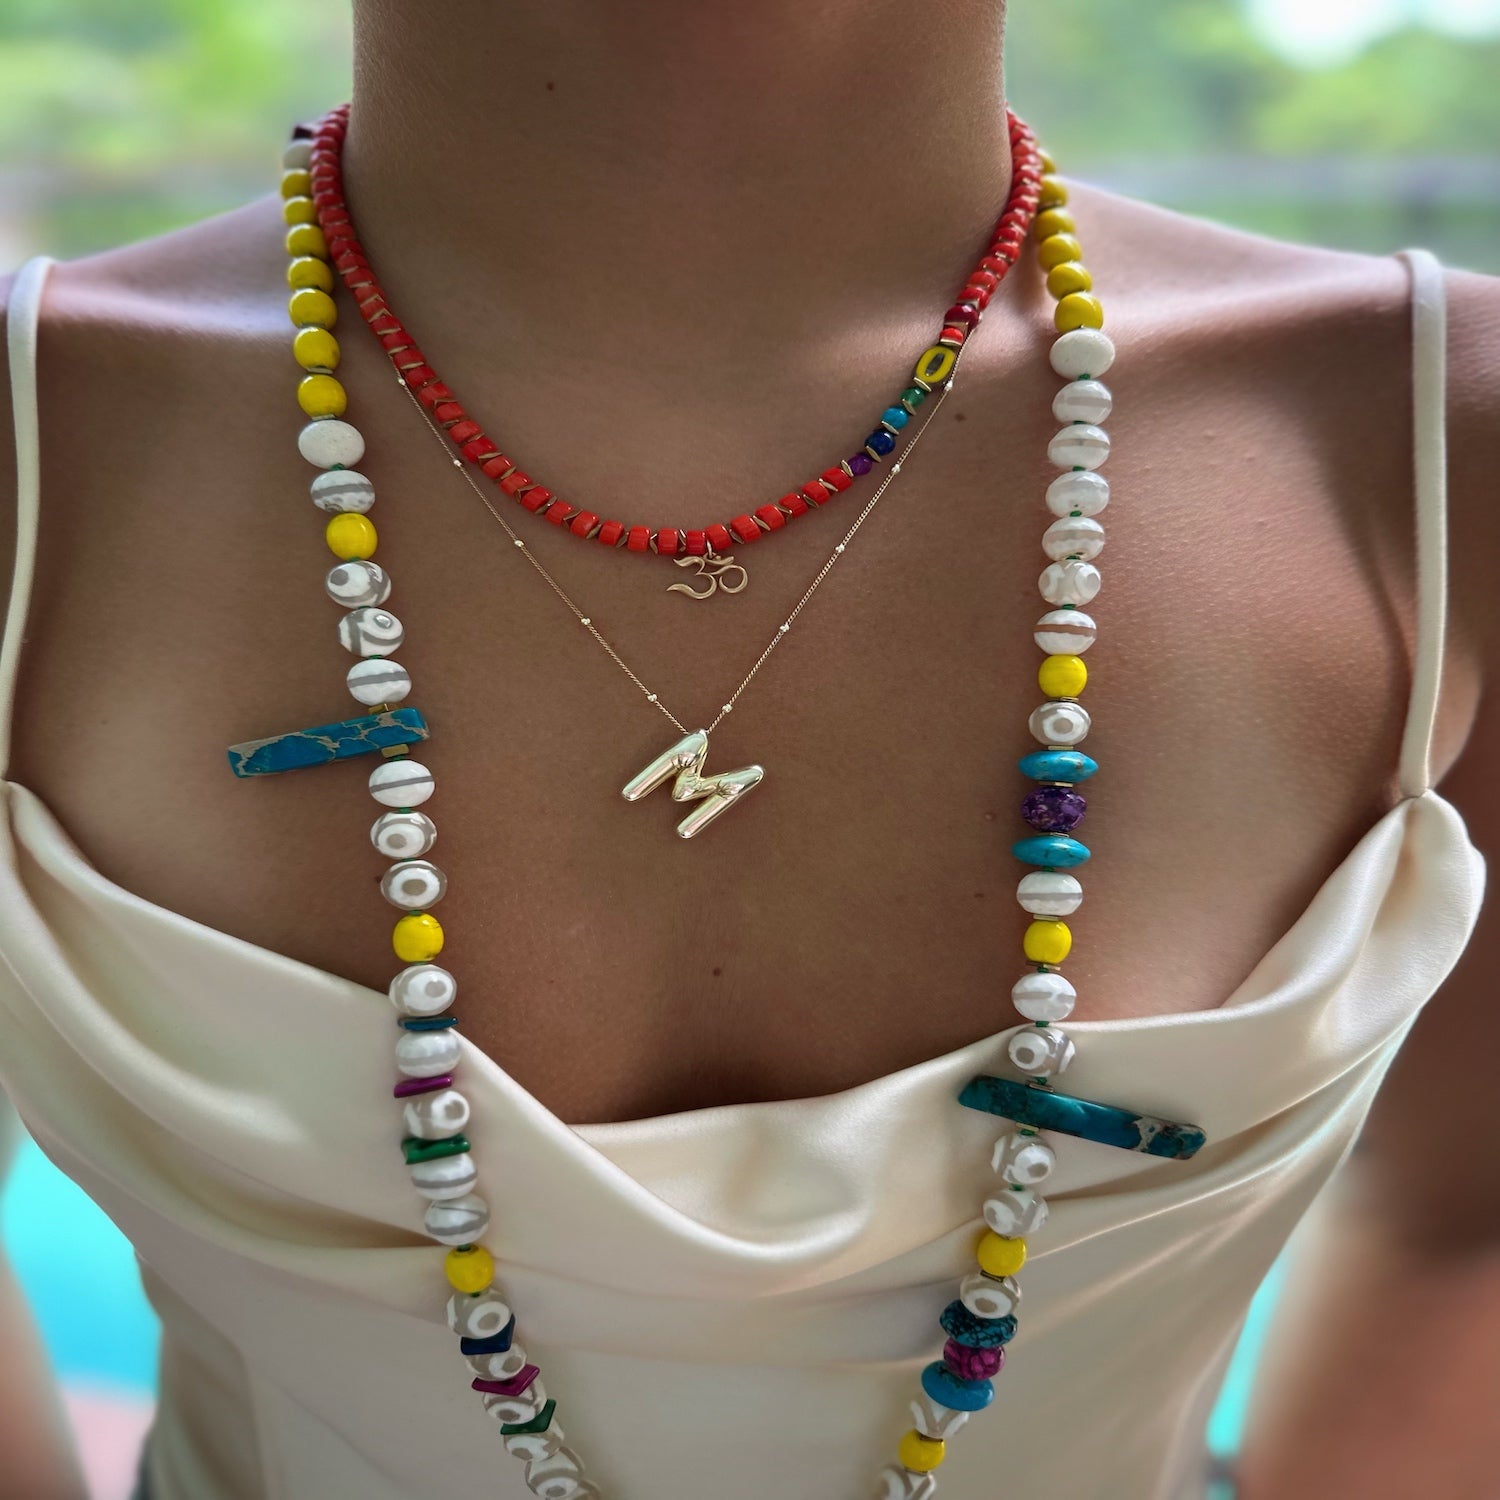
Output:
x,y
969,1363
964,314
512,1387
409,1086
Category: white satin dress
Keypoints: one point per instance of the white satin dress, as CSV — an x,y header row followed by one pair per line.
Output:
x,y
772,1284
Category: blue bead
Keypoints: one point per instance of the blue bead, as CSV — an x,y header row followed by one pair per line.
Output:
x,y
326,742
947,1389
1058,765
880,442
1108,1124
895,416
429,1023
968,1328
1055,850
496,1343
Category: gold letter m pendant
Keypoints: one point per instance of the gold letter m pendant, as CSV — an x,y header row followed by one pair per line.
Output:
x,y
685,760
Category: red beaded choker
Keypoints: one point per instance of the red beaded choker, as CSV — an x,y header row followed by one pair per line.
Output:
x,y
934,368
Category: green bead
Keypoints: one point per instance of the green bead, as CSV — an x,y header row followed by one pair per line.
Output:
x,y
539,1423
415,1150
912,397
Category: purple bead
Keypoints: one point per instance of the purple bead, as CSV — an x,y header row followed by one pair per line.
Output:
x,y
515,1386
969,1363
860,463
409,1086
1053,809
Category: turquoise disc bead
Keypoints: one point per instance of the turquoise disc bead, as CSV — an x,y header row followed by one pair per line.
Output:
x,y
1058,765
939,1382
1056,850
895,416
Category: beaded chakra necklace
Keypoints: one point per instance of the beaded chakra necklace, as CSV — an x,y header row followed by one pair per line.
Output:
x,y
982,1320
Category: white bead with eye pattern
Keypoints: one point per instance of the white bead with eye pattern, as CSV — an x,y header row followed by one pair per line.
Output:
x,y
1081,490
1041,1051
989,1296
1015,1213
1071,536
1072,582
1026,1159
435,1116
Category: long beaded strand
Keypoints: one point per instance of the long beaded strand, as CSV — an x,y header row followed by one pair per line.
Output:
x,y
983,1318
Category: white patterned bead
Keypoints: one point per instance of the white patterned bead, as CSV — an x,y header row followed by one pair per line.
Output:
x,y
498,1366
478,1316
1079,489
402,782
328,441
434,1117
378,680
358,582
897,1483
1080,446
1082,352
403,835
933,1419
298,155
529,1445
522,1408
457,1221
1069,582
1073,536
414,884
445,1176
371,632
989,1296
1043,997
1015,1213
559,1476
1065,632
1026,1159
1059,721
427,1054
1041,1052
339,490
423,990
1082,401
1050,893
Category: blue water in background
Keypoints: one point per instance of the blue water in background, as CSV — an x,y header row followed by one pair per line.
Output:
x,y
79,1273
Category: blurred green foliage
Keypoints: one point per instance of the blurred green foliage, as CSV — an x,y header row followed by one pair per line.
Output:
x,y
120,120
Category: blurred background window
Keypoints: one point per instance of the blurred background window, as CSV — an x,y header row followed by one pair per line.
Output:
x,y
1364,124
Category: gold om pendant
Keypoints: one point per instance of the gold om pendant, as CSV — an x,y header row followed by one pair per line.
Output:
x,y
713,570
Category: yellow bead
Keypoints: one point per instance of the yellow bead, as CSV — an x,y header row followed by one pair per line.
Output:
x,y
1070,276
1058,676
296,184
936,365
1048,165
919,1453
323,396
1078,310
999,1256
418,937
1052,221
349,534
306,239
1052,251
470,1270
308,270
1052,192
299,211
311,308
315,349
1047,941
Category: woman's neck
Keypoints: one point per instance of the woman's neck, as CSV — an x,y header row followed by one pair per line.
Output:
x,y
613,176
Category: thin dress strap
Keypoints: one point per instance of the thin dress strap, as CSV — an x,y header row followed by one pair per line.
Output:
x,y
1429,444
21,326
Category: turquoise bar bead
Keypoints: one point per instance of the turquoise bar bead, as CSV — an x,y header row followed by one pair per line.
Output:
x,y
948,1389
1107,1124
895,416
327,742
1055,850
428,1023
1058,765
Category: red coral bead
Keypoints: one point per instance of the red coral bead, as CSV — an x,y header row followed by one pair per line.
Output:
x,y
836,479
558,512
745,528
495,465
794,504
445,412
666,541
583,523
610,532
962,314
815,491
978,295
984,280
695,543
638,538
719,538
954,335
461,432
534,498
477,448
771,516
514,482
